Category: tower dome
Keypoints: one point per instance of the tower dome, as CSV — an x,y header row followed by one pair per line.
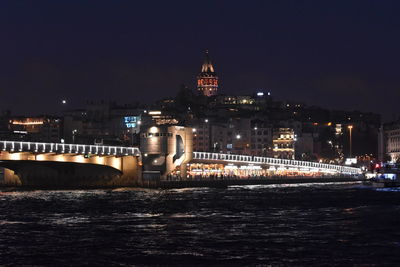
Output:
x,y
207,80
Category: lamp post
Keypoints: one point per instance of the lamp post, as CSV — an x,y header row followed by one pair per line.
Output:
x,y
73,135
350,129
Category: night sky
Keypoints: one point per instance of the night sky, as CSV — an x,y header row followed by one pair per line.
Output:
x,y
337,54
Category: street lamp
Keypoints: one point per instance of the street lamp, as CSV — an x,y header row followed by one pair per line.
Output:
x,y
73,135
350,129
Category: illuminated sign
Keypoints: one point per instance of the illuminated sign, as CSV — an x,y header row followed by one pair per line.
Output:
x,y
131,121
350,161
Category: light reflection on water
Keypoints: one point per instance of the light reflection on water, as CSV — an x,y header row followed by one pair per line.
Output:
x,y
313,185
388,189
317,224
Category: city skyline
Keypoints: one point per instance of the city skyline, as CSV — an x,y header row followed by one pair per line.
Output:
x,y
342,56
199,133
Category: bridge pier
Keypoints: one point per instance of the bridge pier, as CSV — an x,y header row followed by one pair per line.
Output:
x,y
11,178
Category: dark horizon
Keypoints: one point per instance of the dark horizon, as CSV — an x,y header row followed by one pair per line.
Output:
x,y
338,56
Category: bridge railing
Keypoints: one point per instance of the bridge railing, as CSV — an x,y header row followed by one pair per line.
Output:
x,y
275,162
61,148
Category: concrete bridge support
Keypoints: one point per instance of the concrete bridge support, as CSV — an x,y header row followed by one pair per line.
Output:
x,y
10,178
51,169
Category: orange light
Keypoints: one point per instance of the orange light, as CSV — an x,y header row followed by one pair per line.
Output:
x,y
27,122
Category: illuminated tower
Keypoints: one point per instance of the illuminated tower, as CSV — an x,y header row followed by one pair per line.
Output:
x,y
207,80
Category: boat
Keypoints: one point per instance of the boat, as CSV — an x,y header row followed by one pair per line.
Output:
x,y
388,179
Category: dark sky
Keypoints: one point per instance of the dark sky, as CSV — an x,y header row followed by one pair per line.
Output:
x,y
337,54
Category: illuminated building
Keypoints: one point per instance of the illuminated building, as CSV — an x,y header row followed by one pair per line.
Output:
x,y
261,139
232,136
242,136
283,143
207,80
166,149
161,117
103,123
46,129
389,142
393,144
236,100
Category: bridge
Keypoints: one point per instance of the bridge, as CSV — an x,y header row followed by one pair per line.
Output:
x,y
58,163
288,164
54,163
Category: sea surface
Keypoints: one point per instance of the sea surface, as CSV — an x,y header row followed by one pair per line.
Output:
x,y
308,224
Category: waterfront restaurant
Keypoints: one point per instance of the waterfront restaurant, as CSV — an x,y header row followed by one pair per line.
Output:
x,y
244,171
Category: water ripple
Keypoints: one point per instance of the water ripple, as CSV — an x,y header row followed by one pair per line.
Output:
x,y
320,224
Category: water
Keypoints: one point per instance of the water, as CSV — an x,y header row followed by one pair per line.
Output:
x,y
311,224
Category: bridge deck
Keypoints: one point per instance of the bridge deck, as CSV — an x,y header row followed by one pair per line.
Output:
x,y
217,157
61,148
